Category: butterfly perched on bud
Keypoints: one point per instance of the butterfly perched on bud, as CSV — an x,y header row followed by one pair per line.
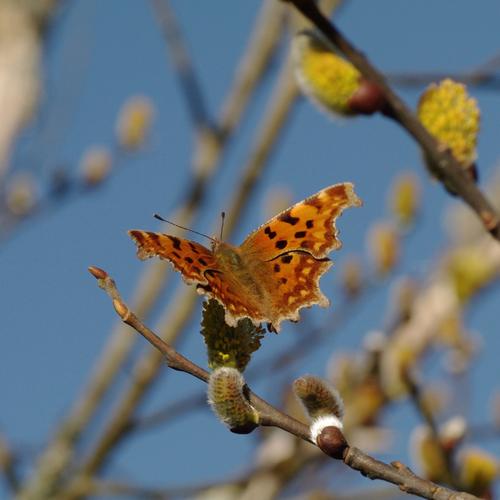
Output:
x,y
275,272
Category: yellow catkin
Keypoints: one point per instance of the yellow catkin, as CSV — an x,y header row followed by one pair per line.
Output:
x,y
384,247
134,122
450,115
226,345
478,470
405,198
469,271
327,79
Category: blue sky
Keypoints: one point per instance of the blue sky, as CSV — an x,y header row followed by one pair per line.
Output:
x,y
55,319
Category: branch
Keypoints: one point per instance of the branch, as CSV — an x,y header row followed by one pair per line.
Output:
x,y
182,64
485,75
446,167
270,416
8,465
416,397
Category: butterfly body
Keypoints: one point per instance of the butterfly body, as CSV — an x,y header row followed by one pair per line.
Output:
x,y
240,272
275,272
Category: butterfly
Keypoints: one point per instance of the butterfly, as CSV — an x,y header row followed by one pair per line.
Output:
x,y
275,272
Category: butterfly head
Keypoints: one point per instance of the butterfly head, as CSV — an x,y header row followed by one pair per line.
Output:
x,y
228,255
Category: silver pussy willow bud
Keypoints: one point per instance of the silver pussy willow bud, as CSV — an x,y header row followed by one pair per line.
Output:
x,y
226,396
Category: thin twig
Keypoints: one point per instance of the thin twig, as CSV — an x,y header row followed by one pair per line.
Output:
x,y
446,167
416,397
8,465
486,76
195,101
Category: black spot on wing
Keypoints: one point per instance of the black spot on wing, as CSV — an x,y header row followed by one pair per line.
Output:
x,y
202,261
288,219
154,237
176,255
270,234
277,268
309,224
175,241
280,244
188,259
300,234
193,247
286,259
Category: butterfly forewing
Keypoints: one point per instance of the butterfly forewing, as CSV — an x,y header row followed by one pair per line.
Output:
x,y
188,257
306,226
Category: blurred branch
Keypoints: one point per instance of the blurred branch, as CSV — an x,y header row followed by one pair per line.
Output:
x,y
395,473
445,165
281,101
423,409
182,62
8,465
262,47
485,76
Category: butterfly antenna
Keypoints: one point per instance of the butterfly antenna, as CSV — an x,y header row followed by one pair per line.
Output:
x,y
223,217
159,217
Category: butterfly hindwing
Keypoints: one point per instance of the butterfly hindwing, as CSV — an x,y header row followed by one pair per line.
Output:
x,y
228,292
295,277
188,257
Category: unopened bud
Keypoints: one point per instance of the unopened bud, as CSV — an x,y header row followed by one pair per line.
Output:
x,y
352,280
331,441
405,198
228,401
384,247
322,403
134,122
21,196
95,165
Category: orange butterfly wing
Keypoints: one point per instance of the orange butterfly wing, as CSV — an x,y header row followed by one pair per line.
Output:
x,y
295,279
292,250
306,226
190,258
198,264
284,258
